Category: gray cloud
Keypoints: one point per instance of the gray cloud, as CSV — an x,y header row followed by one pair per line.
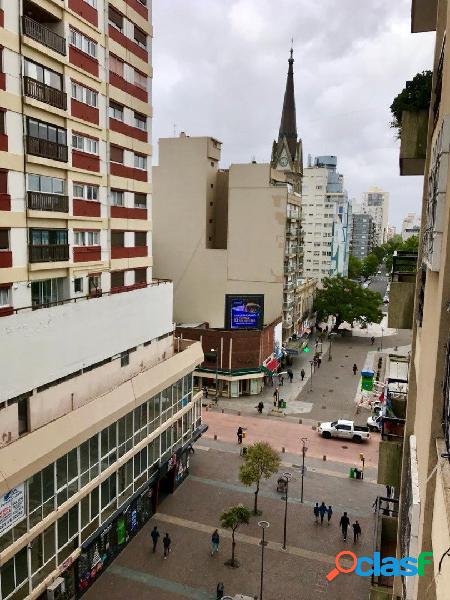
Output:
x,y
220,69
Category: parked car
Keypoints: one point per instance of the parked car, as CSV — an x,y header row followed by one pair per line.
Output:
x,y
374,423
343,429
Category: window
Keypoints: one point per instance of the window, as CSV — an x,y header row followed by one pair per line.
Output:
x,y
94,283
42,183
140,200
84,94
4,239
85,191
117,239
116,111
83,43
84,144
117,279
116,154
43,74
78,285
140,121
5,296
92,3
140,37
117,198
47,291
140,276
140,238
46,131
14,572
67,476
87,238
116,65
140,80
108,446
140,161
115,18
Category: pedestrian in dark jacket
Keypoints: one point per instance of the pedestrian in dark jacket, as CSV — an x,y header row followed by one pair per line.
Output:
x,y
155,537
290,375
260,406
281,379
319,362
344,523
276,395
322,511
372,340
356,531
302,374
355,369
329,513
215,540
240,434
316,512
166,543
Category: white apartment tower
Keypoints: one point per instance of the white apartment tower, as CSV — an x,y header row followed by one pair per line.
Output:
x,y
96,402
376,203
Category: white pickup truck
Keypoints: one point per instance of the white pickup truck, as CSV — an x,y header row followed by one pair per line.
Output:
x,y
343,429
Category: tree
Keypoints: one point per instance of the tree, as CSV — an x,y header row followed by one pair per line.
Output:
x,y
415,96
347,301
232,519
261,461
354,267
369,265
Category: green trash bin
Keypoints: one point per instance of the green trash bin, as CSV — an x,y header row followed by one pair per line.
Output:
x,y
283,404
352,473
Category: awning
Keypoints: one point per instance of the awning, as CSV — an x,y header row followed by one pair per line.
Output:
x,y
272,365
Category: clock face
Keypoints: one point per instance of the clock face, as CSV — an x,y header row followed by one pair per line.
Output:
x,y
283,161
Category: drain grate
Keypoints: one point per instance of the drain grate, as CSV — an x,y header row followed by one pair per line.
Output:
x,y
344,447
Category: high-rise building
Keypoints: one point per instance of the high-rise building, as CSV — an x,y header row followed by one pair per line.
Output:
x,y
410,226
363,234
376,203
96,401
390,232
326,214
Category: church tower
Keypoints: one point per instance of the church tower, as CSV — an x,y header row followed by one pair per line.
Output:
x,y
287,152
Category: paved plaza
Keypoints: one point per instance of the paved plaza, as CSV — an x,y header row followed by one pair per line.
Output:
x,y
192,513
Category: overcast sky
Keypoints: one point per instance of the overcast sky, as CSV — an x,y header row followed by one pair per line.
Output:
x,y
220,70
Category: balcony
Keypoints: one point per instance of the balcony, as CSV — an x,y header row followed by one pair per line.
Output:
x,y
44,93
46,149
390,451
48,202
43,35
48,253
402,290
413,146
385,542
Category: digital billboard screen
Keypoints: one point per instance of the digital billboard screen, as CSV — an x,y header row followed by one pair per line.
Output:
x,y
244,311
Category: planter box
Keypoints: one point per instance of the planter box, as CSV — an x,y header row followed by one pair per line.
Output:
x,y
413,147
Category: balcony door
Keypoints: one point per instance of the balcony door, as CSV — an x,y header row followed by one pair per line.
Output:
x,y
47,291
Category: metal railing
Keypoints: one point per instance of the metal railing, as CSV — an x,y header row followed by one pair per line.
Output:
x,y
46,149
44,93
49,202
384,507
48,253
43,35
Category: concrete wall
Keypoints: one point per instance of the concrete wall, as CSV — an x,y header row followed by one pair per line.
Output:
x,y
401,304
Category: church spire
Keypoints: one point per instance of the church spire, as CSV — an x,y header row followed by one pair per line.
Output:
x,y
288,125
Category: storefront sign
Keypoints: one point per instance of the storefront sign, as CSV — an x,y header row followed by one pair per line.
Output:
x,y
12,508
244,312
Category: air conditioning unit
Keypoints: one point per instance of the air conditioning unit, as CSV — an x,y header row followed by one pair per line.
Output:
x,y
56,590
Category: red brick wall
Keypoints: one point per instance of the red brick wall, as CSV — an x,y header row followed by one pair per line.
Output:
x,y
83,60
83,160
86,208
84,111
85,10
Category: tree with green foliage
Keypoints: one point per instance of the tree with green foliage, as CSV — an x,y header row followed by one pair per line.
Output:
x,y
232,519
354,267
414,97
347,301
260,462
369,265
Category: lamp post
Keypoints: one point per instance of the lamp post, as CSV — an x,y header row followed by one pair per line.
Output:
x,y
286,477
382,331
264,525
304,441
216,398
311,363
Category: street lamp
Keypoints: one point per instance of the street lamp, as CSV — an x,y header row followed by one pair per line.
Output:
x,y
216,398
304,441
311,363
264,525
382,331
286,478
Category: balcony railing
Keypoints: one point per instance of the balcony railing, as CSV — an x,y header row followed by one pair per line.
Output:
x,y
392,429
46,149
48,253
43,35
44,93
49,202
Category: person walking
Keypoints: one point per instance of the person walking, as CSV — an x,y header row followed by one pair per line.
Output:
x,y
260,406
166,543
319,362
329,514
276,395
155,537
281,378
356,531
302,374
322,511
240,435
355,369
215,540
290,375
344,523
372,340
316,513
205,391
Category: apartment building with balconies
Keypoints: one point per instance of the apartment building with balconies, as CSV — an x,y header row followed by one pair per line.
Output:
x,y
97,410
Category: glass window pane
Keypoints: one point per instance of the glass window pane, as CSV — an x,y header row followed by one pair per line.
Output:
x,y
48,482
94,503
33,183
49,542
73,521
57,185
8,584
46,184
61,472
63,530
35,491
